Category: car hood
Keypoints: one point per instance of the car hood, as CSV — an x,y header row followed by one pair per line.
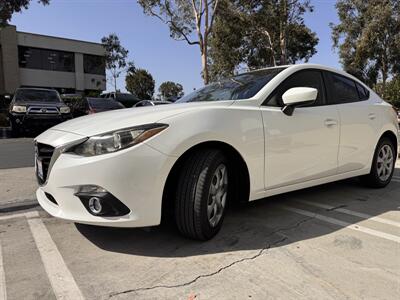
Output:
x,y
123,118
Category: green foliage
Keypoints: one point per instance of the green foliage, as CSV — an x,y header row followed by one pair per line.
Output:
x,y
140,83
368,38
170,90
115,57
390,91
9,7
260,33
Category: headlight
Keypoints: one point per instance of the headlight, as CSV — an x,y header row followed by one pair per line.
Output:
x,y
65,110
117,140
19,108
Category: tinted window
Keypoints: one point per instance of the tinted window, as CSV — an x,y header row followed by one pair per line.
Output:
x,y
27,95
243,86
94,64
44,59
342,89
100,103
362,92
307,78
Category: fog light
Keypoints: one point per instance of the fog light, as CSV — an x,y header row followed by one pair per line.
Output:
x,y
95,205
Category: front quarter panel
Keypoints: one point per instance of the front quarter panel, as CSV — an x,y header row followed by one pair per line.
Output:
x,y
237,125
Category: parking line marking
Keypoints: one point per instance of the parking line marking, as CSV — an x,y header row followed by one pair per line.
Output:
x,y
395,179
366,230
350,212
3,290
61,279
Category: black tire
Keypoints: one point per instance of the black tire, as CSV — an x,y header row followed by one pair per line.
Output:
x,y
193,194
373,179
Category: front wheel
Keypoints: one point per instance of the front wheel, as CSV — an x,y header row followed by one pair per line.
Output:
x,y
382,165
202,194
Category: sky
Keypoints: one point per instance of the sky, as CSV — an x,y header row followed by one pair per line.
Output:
x,y
146,38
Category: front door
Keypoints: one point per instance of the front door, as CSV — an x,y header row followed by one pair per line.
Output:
x,y
304,146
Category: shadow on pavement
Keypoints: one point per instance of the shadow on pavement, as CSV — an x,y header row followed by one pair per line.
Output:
x,y
259,225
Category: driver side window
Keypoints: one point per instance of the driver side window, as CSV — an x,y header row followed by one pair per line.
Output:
x,y
306,78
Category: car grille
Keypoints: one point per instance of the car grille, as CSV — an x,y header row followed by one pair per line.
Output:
x,y
44,153
43,110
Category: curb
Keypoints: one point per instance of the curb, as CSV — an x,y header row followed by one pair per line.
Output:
x,y
18,205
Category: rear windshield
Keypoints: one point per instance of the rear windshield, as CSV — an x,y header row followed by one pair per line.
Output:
x,y
243,86
101,103
126,97
37,96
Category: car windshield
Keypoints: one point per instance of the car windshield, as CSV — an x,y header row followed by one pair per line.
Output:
x,y
37,96
101,103
243,86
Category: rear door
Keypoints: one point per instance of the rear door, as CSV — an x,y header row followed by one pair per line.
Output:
x,y
359,119
304,146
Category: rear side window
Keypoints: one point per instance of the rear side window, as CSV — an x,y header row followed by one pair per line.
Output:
x,y
305,78
362,92
341,89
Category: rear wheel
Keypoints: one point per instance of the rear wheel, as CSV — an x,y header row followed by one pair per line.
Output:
x,y
382,165
202,194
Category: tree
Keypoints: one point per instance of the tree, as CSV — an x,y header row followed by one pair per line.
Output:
x,y
9,7
390,91
140,83
260,33
115,56
368,38
184,17
170,90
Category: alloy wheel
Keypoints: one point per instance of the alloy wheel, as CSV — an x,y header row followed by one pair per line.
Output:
x,y
217,195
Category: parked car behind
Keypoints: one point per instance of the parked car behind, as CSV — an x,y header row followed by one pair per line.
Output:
x,y
34,109
86,106
128,100
151,103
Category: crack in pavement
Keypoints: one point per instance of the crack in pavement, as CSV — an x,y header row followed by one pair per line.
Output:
x,y
336,207
258,254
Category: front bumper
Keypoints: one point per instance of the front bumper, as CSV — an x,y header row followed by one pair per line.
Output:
x,y
135,176
37,121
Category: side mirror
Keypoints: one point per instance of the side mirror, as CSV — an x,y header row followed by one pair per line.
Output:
x,y
297,97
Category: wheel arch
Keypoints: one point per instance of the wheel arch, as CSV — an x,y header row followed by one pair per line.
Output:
x,y
241,174
392,136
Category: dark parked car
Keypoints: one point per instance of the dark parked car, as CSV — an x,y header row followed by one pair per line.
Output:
x,y
151,103
36,109
128,100
88,105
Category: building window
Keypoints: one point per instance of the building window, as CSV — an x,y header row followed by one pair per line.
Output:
x,y
45,59
94,64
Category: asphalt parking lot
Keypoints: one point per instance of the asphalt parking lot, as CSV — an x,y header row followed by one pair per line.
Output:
x,y
336,241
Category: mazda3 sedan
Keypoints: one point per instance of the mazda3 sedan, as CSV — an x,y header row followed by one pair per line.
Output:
x,y
241,139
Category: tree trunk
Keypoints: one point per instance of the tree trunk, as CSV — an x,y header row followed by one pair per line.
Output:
x,y
282,33
204,58
115,84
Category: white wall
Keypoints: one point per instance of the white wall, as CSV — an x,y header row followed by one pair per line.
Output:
x,y
42,78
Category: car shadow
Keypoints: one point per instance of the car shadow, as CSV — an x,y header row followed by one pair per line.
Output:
x,y
258,225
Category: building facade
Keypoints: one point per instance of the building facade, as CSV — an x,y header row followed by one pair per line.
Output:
x,y
33,60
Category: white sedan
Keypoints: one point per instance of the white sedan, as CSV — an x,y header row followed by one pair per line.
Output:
x,y
241,139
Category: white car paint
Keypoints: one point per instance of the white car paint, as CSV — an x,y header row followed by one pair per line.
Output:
x,y
282,153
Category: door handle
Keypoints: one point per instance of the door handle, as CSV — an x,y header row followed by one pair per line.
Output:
x,y
372,116
330,122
